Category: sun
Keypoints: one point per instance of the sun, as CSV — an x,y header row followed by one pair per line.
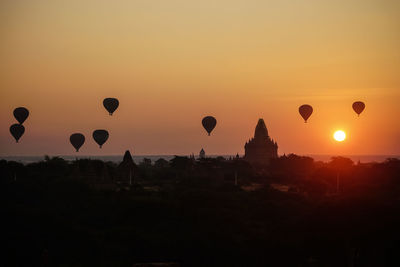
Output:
x,y
339,135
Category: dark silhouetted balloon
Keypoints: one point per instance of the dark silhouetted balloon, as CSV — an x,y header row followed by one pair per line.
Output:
x,y
17,130
21,114
209,123
305,111
77,140
111,104
358,107
100,136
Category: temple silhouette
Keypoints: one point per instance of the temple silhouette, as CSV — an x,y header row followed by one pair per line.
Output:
x,y
261,148
202,154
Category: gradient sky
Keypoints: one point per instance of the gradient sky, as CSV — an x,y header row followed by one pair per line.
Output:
x,y
172,62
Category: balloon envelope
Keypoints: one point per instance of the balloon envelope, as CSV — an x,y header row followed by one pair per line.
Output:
x,y
100,136
305,111
209,123
17,130
358,107
21,114
111,104
77,140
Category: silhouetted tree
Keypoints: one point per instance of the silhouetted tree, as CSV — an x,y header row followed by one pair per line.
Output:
x,y
340,165
146,162
161,163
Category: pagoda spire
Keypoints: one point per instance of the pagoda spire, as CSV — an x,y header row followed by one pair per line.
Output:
x,y
261,131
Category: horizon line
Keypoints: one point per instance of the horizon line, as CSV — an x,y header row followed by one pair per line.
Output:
x,y
116,155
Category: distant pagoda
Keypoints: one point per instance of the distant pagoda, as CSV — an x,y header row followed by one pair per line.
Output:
x,y
261,148
202,154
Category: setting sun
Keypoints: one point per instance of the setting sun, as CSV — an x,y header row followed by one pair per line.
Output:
x,y
339,135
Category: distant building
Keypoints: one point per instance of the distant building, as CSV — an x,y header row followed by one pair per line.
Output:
x,y
261,148
126,169
202,154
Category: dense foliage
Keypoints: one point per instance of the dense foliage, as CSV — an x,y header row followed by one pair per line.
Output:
x,y
207,212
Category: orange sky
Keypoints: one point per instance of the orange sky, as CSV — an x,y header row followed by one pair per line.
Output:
x,y
172,62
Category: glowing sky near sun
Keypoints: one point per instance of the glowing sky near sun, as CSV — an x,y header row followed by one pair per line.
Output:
x,y
172,62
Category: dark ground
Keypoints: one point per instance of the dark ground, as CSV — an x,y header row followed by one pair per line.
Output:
x,y
194,215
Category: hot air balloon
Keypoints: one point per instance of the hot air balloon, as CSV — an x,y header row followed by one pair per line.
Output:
x,y
358,107
305,111
209,123
100,136
77,140
21,114
17,130
111,104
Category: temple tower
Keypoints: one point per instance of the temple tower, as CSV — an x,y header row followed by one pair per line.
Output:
x,y
261,148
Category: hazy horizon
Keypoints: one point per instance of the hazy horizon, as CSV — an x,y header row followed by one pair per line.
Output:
x,y
138,158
